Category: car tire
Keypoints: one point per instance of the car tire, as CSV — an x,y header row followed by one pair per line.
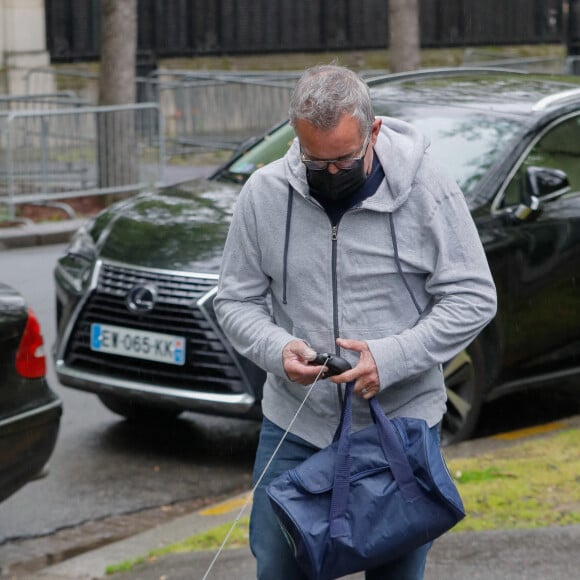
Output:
x,y
138,412
464,380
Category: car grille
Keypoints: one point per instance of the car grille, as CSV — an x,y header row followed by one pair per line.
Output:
x,y
208,366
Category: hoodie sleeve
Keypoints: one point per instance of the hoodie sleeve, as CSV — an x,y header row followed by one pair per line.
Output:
x,y
460,283
241,303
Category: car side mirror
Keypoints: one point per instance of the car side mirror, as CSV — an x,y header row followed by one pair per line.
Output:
x,y
526,212
546,183
542,184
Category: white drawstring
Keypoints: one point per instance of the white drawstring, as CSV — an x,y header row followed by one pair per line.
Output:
x,y
250,495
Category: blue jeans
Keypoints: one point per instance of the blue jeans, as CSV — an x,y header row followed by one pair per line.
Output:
x,y
273,555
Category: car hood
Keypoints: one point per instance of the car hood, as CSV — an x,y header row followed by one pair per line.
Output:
x,y
180,228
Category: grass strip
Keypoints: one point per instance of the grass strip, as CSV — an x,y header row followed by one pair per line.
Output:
x,y
529,485
208,540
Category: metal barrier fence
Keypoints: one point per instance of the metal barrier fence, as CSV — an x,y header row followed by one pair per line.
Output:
x,y
60,154
210,110
40,101
84,84
200,109
219,111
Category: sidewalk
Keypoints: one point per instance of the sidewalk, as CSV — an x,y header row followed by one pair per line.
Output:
x,y
514,554
31,235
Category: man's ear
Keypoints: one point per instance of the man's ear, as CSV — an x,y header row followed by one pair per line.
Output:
x,y
376,127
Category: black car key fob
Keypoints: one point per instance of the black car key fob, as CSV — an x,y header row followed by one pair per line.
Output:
x,y
335,364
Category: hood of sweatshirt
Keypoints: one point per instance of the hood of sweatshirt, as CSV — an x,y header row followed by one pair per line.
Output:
x,y
400,149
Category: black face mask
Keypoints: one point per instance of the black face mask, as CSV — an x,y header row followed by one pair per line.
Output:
x,y
340,185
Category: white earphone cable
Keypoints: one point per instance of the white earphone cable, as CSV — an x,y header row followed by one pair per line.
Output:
x,y
259,480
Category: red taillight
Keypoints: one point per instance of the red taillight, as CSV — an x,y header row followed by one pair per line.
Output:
x,y
30,358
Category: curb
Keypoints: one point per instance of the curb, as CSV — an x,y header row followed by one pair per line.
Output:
x,y
32,235
93,565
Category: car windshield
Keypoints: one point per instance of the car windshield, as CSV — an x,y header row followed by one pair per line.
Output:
x,y
273,146
466,142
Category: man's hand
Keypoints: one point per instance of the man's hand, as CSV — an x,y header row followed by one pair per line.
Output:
x,y
295,357
365,374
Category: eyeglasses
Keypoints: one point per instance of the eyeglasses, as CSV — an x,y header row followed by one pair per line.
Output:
x,y
345,163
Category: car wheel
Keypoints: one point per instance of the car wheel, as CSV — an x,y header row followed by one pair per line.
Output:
x,y
464,384
138,412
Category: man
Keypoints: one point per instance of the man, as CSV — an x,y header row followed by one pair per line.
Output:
x,y
355,243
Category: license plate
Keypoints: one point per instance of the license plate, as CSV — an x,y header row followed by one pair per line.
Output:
x,y
141,344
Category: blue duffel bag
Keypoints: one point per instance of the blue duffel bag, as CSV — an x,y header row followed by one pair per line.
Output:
x,y
368,498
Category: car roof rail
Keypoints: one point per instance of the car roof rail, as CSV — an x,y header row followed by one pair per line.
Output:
x,y
440,71
557,99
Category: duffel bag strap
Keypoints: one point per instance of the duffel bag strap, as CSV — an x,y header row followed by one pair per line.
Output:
x,y
342,468
394,453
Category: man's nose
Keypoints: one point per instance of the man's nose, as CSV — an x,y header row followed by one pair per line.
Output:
x,y
332,168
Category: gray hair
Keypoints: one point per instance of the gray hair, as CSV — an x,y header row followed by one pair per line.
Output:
x,y
325,93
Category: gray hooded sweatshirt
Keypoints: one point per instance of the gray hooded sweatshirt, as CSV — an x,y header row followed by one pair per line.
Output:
x,y
287,274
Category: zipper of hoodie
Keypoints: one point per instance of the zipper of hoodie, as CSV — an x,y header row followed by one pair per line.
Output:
x,y
334,238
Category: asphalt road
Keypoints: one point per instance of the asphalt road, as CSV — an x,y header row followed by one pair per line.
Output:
x,y
102,465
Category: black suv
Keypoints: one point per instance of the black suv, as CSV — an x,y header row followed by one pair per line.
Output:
x,y
135,287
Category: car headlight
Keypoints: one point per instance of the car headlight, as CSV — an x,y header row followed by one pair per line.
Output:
x,y
75,267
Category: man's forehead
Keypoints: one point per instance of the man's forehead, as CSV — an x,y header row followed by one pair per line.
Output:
x,y
343,140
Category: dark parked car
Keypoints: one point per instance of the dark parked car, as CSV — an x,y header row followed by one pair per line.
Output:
x,y
29,411
135,288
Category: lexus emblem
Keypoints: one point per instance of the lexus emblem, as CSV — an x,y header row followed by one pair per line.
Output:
x,y
142,298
